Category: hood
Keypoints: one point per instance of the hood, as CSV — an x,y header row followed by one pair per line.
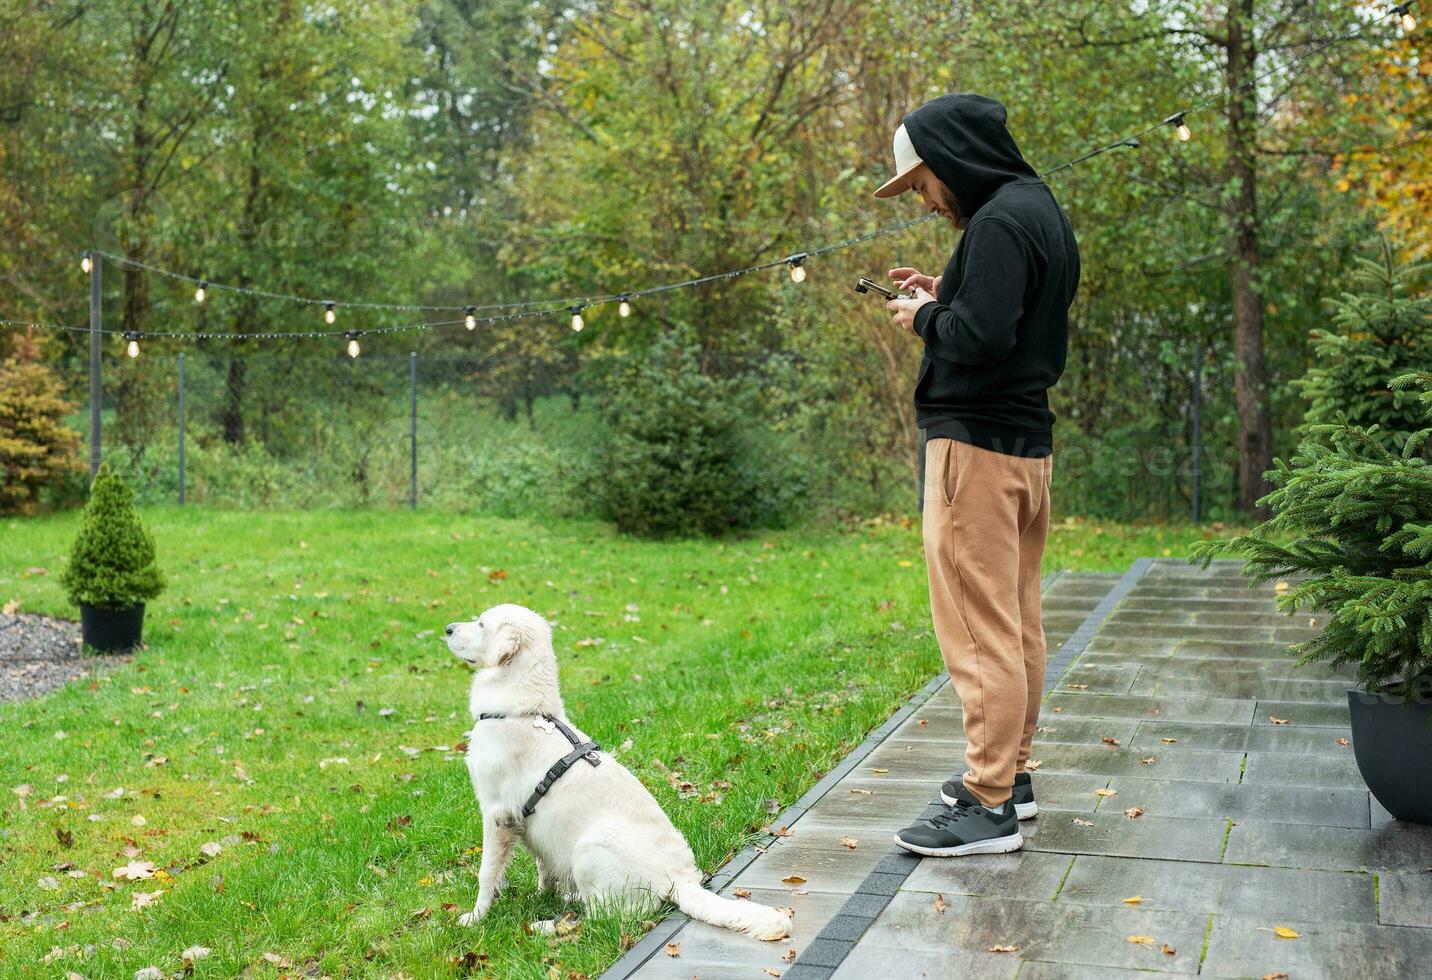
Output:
x,y
963,139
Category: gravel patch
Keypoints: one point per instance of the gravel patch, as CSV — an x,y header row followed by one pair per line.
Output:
x,y
39,654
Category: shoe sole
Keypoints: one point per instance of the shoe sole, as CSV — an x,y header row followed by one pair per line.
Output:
x,y
1023,811
994,845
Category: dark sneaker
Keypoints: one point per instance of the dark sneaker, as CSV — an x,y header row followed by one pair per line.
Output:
x,y
1022,793
967,828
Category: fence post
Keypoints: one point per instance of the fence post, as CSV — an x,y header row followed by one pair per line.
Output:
x,y
413,430
95,390
1197,421
181,428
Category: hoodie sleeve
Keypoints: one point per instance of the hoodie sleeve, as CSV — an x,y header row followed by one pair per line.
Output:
x,y
977,326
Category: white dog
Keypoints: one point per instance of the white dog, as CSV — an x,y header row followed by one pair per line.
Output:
x,y
597,834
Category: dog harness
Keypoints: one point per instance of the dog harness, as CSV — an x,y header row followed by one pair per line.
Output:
x,y
586,751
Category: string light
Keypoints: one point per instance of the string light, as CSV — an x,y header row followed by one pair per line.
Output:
x,y
132,348
353,349
1404,14
199,291
328,314
470,319
624,310
86,264
1176,121
798,272
577,322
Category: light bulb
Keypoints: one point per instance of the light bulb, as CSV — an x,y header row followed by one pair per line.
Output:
x,y
470,320
353,349
133,349
199,291
1184,133
328,314
624,310
86,264
577,322
798,272
1409,23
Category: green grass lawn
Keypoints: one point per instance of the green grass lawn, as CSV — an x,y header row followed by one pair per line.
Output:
x,y
296,707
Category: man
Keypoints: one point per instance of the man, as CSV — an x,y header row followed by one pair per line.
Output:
x,y
995,332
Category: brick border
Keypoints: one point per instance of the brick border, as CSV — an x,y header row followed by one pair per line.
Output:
x,y
828,950
655,940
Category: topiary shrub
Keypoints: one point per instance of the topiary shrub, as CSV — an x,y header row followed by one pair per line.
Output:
x,y
37,449
676,460
111,563
1355,518
1382,329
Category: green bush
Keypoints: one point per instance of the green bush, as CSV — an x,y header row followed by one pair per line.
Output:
x,y
111,564
681,456
1354,519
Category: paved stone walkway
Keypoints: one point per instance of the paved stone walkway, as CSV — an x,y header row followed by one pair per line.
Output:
x,y
1182,703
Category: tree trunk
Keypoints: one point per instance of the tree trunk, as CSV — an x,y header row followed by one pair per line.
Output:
x,y
1255,443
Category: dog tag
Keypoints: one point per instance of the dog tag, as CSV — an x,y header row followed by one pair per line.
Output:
x,y
544,724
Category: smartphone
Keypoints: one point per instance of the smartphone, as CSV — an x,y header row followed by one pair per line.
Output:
x,y
867,285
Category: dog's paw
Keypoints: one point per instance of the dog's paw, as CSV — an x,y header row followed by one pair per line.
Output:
x,y
471,918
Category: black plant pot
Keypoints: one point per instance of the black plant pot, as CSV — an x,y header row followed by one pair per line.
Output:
x,y
112,630
1392,741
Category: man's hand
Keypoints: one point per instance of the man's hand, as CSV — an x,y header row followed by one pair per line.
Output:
x,y
909,278
904,309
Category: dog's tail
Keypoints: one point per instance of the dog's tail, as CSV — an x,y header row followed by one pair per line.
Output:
x,y
760,921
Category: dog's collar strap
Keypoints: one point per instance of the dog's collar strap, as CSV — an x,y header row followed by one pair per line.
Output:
x,y
581,751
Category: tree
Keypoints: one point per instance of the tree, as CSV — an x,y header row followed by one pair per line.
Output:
x,y
1383,329
111,563
37,449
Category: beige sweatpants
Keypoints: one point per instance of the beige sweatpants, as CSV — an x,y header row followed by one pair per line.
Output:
x,y
986,517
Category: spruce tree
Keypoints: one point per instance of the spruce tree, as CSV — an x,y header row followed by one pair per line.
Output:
x,y
37,449
111,563
1382,329
1353,520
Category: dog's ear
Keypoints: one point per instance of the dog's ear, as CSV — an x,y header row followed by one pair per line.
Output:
x,y
511,640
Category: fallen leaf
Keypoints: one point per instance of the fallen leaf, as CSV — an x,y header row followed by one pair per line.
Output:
x,y
1141,940
1147,760
1342,741
1283,932
1167,950
1134,812
783,831
880,772
1277,721
1276,975
48,883
1032,765
939,903
1081,822
741,892
135,871
210,849
863,792
194,953
1078,687
1110,740
1105,791
1168,741
149,973
1133,900
1004,949
793,880
849,842
770,970
789,956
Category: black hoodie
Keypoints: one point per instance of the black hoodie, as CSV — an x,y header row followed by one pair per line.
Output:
x,y
996,338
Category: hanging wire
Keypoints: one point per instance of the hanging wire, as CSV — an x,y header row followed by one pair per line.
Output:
x,y
543,308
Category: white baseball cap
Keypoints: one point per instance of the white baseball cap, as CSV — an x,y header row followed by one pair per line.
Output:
x,y
906,160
